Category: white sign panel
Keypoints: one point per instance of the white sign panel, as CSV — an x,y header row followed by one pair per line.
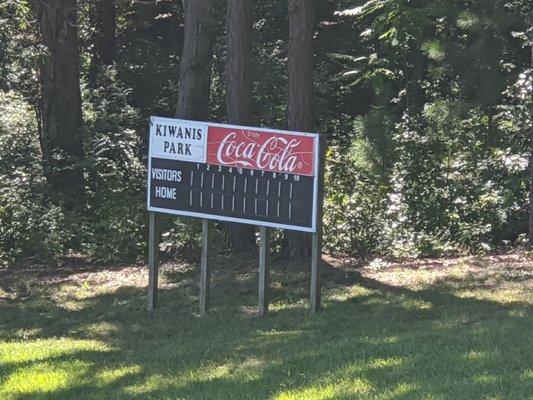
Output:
x,y
178,139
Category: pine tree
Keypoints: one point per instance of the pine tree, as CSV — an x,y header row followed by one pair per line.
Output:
x,y
60,104
196,60
239,94
300,92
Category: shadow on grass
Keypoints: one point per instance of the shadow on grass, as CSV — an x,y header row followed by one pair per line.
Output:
x,y
372,341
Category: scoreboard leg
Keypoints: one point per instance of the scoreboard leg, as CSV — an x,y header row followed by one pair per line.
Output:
x,y
315,292
316,246
205,270
153,260
264,269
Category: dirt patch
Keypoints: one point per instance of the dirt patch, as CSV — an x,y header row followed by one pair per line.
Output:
x,y
498,272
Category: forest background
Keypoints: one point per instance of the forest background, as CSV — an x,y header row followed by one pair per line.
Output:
x,y
427,106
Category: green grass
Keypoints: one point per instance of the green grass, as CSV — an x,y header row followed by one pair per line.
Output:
x,y
86,335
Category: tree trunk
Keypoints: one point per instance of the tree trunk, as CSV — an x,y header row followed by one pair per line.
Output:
x,y
239,95
415,74
196,60
61,101
531,161
300,94
105,43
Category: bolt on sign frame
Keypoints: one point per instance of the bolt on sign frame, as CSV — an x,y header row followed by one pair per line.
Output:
x,y
258,176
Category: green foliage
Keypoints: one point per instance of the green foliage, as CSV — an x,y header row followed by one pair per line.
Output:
x,y
354,208
30,227
438,164
116,217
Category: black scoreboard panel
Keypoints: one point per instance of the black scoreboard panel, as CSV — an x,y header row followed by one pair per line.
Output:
x,y
244,195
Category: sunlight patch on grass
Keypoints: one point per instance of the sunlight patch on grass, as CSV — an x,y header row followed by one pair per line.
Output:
x,y
248,370
352,381
45,366
403,389
527,375
102,328
153,381
43,349
284,304
376,341
7,295
250,364
27,333
107,376
506,296
391,362
517,313
197,376
347,293
460,272
411,304
485,378
375,301
210,372
476,355
275,334
66,298
43,378
343,388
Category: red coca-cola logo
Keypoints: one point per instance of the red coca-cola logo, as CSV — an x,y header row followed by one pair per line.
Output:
x,y
255,149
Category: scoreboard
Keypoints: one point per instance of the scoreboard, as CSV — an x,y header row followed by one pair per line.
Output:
x,y
232,173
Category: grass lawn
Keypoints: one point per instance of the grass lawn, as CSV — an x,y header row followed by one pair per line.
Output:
x,y
434,329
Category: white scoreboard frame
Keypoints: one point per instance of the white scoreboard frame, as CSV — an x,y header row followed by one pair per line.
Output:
x,y
316,177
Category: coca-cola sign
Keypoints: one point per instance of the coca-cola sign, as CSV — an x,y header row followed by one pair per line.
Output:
x,y
261,150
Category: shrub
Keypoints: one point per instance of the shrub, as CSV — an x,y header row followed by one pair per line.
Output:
x,y
30,226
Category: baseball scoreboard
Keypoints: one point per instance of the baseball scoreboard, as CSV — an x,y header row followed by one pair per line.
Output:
x,y
233,173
